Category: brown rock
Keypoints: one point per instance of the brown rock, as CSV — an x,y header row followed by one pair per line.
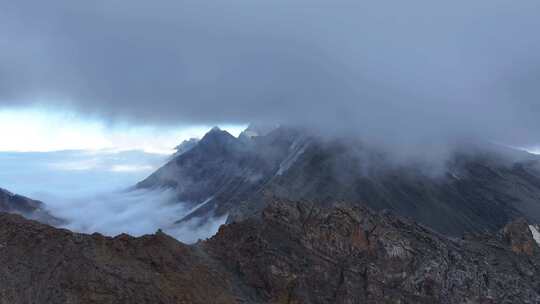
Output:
x,y
40,264
519,236
293,253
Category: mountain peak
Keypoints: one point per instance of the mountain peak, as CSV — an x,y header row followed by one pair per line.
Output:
x,y
218,140
216,133
254,130
215,129
4,191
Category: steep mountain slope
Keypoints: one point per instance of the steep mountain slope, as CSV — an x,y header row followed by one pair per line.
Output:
x,y
29,208
474,191
477,188
185,146
222,170
293,253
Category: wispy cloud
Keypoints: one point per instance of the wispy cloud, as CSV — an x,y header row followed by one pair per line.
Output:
x,y
132,168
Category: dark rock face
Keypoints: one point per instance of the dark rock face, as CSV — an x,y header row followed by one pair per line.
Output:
x,y
303,254
40,264
476,189
293,253
29,208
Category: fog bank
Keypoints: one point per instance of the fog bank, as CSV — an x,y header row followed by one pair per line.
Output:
x,y
133,212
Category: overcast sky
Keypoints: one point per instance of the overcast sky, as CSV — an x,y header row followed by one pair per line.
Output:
x,y
394,70
39,130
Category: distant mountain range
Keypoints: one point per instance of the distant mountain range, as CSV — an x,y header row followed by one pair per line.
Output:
x,y
479,187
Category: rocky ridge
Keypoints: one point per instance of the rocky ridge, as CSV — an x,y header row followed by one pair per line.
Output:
x,y
294,252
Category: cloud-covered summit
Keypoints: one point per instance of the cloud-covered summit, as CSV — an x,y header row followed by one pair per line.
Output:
x,y
397,71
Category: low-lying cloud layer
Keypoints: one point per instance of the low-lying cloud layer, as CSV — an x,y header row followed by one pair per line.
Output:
x,y
87,189
133,212
404,72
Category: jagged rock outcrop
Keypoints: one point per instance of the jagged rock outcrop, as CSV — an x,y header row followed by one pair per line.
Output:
x,y
299,253
29,208
256,130
185,146
478,188
519,236
294,252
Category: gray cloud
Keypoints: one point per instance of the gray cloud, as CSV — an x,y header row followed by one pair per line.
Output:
x,y
394,71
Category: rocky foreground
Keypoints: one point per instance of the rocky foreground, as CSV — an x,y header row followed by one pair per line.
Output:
x,y
293,253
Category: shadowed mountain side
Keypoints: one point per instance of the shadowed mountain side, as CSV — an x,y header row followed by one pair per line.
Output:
x,y
29,208
292,253
471,189
473,192
222,170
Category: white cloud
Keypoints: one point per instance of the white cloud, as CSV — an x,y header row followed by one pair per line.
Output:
x,y
79,165
135,212
131,168
87,188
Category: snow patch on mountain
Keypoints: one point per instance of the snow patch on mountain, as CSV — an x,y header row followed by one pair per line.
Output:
x,y
298,147
535,232
198,206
